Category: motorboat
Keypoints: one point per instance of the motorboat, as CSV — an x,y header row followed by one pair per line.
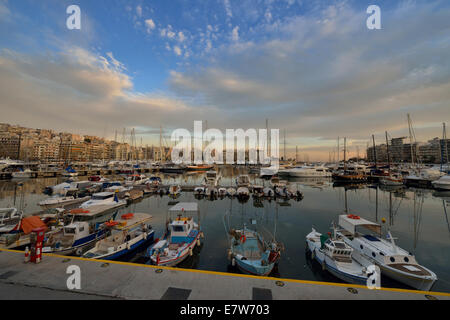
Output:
x,y
182,235
251,254
394,262
203,167
131,233
243,181
222,192
57,201
443,183
423,178
212,178
310,172
136,179
258,191
69,172
200,191
242,192
335,256
103,199
21,174
268,171
268,192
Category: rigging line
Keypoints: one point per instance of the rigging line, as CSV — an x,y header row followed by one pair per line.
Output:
x,y
445,212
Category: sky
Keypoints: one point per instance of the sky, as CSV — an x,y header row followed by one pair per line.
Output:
x,y
312,68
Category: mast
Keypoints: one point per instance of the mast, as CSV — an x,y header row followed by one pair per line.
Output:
x,y
284,151
387,151
345,155
160,144
338,154
374,152
411,138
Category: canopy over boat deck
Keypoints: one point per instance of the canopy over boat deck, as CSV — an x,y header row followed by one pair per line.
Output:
x,y
350,222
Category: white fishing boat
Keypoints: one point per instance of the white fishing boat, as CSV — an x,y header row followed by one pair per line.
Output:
x,y
335,256
180,238
394,262
61,201
130,234
443,183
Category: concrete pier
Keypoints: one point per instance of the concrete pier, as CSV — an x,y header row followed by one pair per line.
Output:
x,y
120,280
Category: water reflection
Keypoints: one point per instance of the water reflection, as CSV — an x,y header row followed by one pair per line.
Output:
x,y
419,218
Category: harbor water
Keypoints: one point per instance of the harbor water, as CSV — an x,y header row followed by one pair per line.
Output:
x,y
418,218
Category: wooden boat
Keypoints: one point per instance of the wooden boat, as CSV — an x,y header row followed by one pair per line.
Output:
x,y
203,167
180,238
130,234
251,254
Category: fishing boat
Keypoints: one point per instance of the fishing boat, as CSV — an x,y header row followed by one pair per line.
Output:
x,y
251,254
131,233
57,201
74,238
443,183
180,238
394,262
173,168
335,256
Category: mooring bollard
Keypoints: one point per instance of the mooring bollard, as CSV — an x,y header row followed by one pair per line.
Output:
x,y
27,255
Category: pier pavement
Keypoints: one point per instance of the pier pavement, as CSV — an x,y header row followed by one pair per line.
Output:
x,y
121,280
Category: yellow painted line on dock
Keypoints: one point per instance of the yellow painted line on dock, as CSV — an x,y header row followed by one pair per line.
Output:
x,y
346,285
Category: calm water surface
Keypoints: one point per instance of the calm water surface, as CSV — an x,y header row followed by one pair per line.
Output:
x,y
418,218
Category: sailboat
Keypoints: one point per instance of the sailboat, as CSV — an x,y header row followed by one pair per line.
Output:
x,y
346,175
392,179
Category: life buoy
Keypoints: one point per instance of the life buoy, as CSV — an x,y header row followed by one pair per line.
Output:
x,y
243,238
352,216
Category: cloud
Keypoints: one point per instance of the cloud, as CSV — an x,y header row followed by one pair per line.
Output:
x,y
76,90
150,25
139,11
227,6
177,50
235,34
324,75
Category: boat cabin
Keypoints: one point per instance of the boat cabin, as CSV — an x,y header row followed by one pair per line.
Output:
x,y
337,250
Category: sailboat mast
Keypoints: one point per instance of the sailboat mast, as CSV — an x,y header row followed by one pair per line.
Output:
x,y
345,155
387,152
410,139
374,152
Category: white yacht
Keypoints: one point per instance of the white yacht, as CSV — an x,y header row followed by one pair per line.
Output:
x,y
102,198
57,201
443,183
22,174
5,163
394,262
310,172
